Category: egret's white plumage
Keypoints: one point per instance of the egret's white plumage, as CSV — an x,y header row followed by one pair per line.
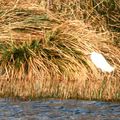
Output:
x,y
100,62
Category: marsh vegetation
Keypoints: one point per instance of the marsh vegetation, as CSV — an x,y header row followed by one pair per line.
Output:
x,y
44,47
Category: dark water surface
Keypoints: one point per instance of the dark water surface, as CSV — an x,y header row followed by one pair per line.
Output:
x,y
58,110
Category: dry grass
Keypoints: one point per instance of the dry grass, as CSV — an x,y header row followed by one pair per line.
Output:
x,y
44,53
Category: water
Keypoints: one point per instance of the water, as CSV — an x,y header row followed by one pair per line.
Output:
x,y
58,110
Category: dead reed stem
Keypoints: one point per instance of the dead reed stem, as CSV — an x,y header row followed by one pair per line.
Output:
x,y
44,53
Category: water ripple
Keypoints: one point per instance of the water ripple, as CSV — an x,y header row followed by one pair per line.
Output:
x,y
58,110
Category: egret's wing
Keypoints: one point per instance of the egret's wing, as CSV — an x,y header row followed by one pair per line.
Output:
x,y
100,62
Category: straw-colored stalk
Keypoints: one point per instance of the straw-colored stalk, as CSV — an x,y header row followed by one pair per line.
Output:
x,y
43,54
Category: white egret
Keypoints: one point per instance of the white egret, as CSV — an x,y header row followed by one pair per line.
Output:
x,y
100,62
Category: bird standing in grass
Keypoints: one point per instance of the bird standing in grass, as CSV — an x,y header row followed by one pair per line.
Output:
x,y
100,62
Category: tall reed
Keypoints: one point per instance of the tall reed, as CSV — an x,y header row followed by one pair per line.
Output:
x,y
45,53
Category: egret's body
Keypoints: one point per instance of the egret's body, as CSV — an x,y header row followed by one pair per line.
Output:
x,y
100,62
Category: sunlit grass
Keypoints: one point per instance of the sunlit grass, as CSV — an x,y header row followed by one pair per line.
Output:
x,y
45,53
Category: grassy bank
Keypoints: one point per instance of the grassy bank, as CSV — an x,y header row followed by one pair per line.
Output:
x,y
44,49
